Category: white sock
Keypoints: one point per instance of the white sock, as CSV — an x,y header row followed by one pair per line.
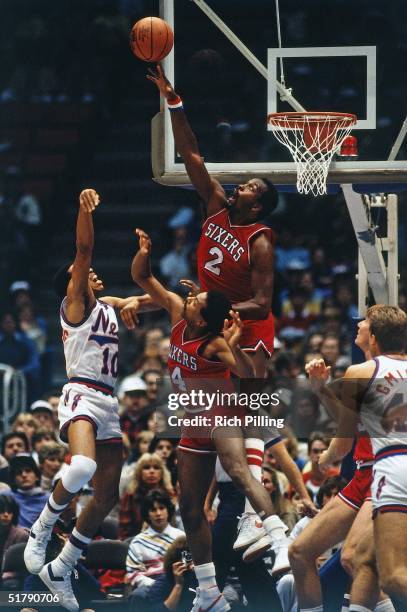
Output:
x,y
51,512
345,603
275,528
206,575
316,609
356,608
71,552
385,606
254,454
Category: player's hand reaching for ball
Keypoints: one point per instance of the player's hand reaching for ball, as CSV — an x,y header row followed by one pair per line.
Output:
x,y
88,200
144,242
232,329
158,77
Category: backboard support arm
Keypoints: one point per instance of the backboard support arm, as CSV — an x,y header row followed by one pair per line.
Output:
x,y
373,271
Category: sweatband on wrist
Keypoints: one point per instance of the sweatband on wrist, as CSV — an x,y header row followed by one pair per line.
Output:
x,y
175,104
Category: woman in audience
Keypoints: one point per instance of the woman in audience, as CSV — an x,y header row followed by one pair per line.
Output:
x,y
149,473
27,424
282,506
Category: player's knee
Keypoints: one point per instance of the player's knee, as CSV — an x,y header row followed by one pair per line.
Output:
x,y
347,560
80,472
298,553
394,584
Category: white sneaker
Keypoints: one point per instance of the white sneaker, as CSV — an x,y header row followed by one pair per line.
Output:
x,y
34,552
249,529
257,550
281,563
60,585
210,600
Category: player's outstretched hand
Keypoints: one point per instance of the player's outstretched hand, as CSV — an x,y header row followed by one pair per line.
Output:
x,y
144,241
318,373
232,329
95,282
129,314
89,200
193,287
158,77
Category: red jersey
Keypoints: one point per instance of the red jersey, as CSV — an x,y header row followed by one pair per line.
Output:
x,y
363,451
224,256
186,362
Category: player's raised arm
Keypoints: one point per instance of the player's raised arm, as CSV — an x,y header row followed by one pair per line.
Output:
x,y
209,189
227,349
80,297
262,257
142,275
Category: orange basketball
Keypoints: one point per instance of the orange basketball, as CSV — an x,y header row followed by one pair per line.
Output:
x,y
151,39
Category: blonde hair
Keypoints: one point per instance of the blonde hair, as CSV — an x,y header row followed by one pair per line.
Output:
x,y
136,485
25,419
389,325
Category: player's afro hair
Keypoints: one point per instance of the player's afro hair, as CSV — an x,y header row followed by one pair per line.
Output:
x,y
216,311
61,280
268,199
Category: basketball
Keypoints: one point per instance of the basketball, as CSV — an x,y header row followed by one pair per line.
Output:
x,y
151,39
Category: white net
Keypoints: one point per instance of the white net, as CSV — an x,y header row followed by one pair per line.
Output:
x,y
312,139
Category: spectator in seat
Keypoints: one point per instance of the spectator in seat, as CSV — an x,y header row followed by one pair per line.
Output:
x,y
13,443
25,478
282,506
27,424
9,534
50,458
149,473
146,551
314,476
43,413
19,352
133,397
330,349
41,437
173,590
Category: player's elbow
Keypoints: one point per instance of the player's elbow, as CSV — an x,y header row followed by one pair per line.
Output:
x,y
264,307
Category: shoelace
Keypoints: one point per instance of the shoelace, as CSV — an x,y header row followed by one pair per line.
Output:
x,y
244,523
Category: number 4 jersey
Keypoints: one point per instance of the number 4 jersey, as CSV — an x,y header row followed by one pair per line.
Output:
x,y
91,347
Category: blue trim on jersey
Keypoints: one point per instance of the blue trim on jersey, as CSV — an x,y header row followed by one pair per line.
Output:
x,y
391,451
94,384
102,340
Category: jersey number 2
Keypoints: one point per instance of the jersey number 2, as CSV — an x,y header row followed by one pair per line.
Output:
x,y
212,264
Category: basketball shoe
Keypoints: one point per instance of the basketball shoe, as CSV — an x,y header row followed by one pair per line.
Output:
x,y
250,529
34,552
210,600
60,585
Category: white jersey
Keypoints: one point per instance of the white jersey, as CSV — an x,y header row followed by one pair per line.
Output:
x,y
91,347
387,390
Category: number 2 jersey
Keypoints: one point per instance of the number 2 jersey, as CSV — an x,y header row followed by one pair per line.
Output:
x,y
224,265
224,256
91,347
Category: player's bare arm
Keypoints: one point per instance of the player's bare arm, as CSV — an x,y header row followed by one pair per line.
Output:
x,y
208,188
80,296
142,275
227,349
290,469
261,257
131,307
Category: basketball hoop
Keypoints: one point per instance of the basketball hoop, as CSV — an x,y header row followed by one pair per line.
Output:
x,y
312,139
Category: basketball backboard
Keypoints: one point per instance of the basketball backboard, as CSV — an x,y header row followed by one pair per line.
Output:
x,y
347,59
